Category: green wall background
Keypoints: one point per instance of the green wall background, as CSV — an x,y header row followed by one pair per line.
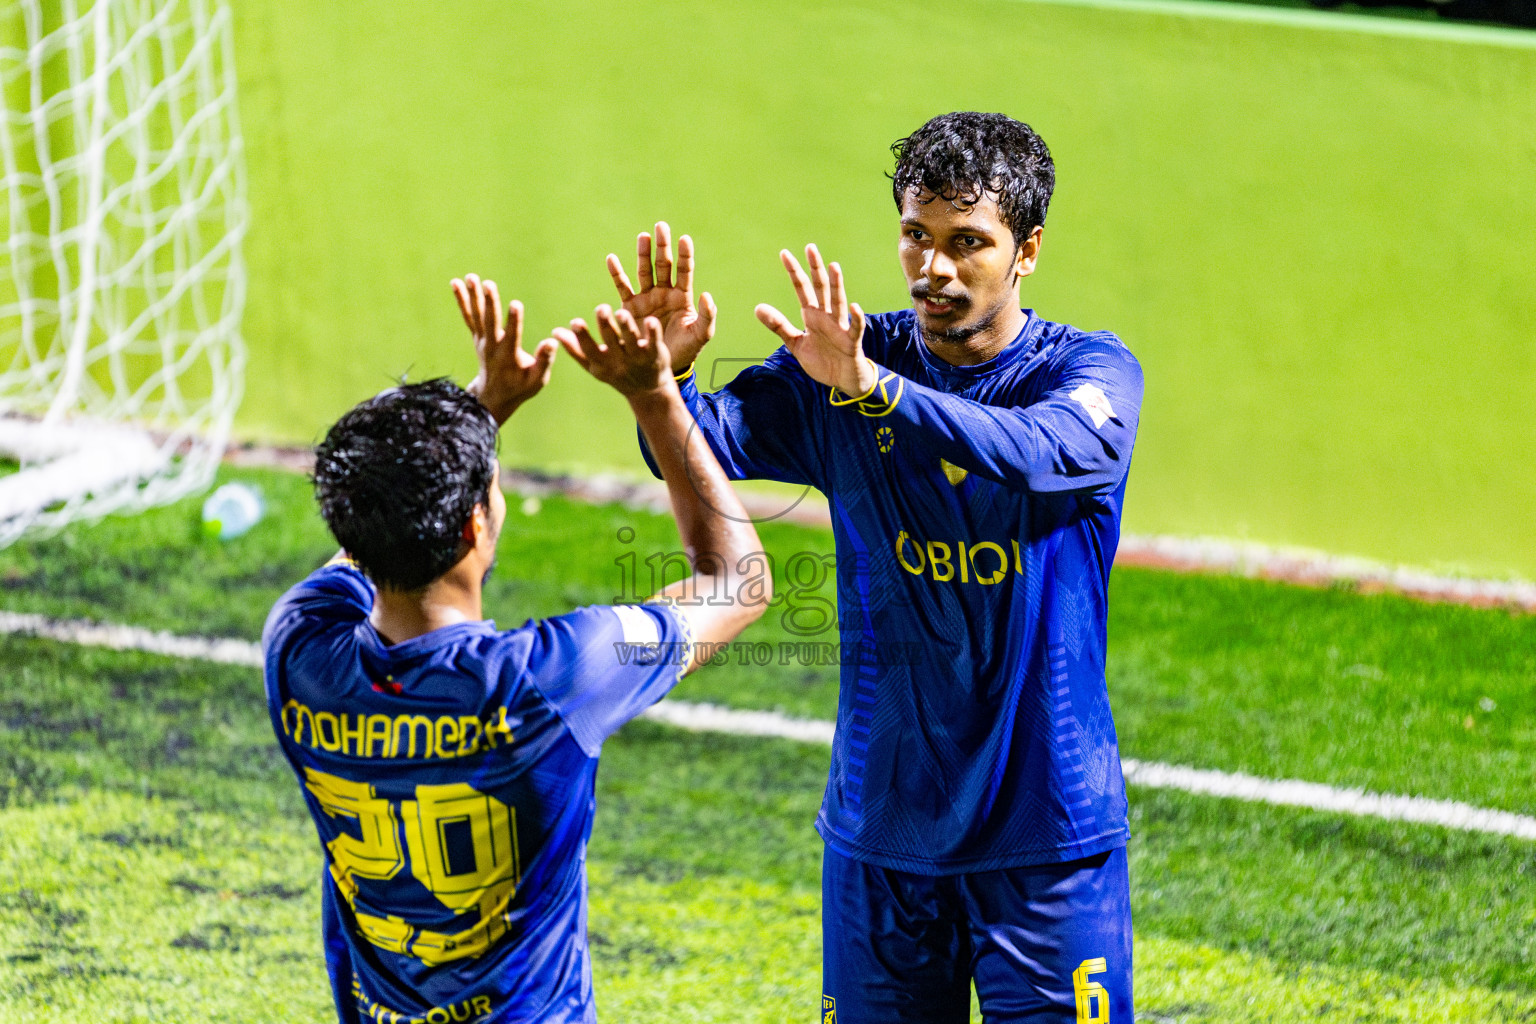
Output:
x,y
1317,232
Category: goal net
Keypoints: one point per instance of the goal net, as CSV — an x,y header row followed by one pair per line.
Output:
x,y
121,280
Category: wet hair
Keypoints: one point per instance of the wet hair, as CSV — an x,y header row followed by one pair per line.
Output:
x,y
399,475
963,156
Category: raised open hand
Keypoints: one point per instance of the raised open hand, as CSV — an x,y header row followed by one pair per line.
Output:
x,y
685,328
830,348
631,358
508,375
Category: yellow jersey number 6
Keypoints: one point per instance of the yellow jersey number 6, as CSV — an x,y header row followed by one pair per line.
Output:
x,y
1092,1000
481,822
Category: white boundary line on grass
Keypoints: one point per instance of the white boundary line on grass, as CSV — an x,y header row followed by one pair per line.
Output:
x,y
1318,568
132,638
713,718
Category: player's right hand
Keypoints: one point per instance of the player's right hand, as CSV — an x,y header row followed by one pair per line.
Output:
x,y
685,328
631,358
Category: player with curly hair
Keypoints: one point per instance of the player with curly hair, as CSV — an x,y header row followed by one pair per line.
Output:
x,y
974,456
449,765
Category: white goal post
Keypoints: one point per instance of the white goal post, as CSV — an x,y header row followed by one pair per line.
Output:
x,y
121,278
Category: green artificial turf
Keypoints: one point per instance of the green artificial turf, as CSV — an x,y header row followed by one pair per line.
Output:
x,y
156,860
1217,672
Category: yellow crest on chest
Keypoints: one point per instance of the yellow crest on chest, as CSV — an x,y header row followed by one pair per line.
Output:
x,y
953,473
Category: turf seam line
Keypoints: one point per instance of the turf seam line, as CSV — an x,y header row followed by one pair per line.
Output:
x,y
697,717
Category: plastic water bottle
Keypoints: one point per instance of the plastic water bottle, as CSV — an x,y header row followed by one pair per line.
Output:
x,y
231,511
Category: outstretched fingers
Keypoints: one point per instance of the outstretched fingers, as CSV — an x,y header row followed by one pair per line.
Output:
x,y
544,358
838,301
778,323
515,323
632,334
643,262
572,343
471,296
541,364
663,255
620,279
685,265
490,311
466,305
610,326
586,347
821,288
798,278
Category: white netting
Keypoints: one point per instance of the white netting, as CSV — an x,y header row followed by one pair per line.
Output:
x,y
121,280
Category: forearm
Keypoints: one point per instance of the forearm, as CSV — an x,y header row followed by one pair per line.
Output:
x,y
757,426
715,528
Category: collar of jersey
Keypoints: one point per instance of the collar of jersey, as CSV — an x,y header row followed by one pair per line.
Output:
x,y
426,643
1022,344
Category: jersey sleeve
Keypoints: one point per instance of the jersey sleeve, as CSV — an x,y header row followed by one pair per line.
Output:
x,y
337,591
757,424
601,666
1076,439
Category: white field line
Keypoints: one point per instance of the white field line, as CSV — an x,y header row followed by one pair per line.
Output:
x,y
1318,568
713,718
132,638
1318,797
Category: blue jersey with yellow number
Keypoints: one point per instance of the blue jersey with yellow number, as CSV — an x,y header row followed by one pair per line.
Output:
x,y
976,511
451,780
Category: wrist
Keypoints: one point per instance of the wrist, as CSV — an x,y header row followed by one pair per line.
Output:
x,y
860,382
501,409
659,399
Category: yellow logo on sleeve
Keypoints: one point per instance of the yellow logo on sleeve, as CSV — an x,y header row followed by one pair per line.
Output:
x,y
828,1010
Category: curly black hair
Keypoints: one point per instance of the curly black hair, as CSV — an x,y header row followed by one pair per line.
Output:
x,y
962,156
399,475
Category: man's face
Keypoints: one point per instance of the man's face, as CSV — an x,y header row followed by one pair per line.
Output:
x,y
961,262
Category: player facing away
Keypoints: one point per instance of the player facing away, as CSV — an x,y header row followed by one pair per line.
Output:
x,y
974,456
448,765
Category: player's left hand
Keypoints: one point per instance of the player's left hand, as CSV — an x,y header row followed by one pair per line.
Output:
x,y
631,358
508,375
830,349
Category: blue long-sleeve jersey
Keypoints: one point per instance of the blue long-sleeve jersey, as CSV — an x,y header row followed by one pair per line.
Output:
x,y
976,511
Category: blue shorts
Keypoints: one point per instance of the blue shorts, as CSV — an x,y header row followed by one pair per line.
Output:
x,y
1044,943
